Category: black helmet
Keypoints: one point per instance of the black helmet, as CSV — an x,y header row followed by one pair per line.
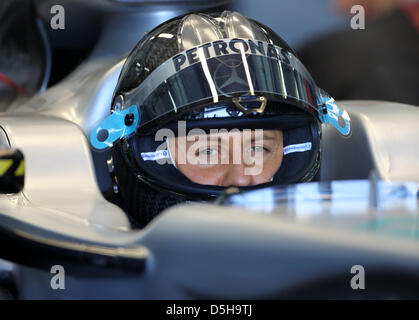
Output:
x,y
220,70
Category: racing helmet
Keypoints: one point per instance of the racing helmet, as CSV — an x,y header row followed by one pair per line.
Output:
x,y
219,70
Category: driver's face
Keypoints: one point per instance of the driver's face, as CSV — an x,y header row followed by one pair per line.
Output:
x,y
230,159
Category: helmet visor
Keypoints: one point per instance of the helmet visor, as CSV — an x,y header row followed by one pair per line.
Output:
x,y
219,71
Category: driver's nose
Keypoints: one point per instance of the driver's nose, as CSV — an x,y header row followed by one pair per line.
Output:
x,y
235,176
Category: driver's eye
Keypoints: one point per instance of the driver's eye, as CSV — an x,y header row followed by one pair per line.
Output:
x,y
208,152
258,149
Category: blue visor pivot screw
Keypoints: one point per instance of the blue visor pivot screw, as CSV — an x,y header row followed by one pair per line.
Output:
x,y
129,119
102,135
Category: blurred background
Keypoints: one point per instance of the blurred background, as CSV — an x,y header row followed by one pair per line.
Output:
x,y
379,62
296,21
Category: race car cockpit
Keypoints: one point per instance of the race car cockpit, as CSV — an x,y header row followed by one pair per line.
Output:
x,y
300,238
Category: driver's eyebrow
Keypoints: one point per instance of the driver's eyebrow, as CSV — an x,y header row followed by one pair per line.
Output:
x,y
266,136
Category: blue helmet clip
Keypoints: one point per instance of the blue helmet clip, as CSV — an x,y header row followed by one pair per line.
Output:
x,y
120,124
329,112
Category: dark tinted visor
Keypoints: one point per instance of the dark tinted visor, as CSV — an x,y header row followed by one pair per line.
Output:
x,y
219,71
